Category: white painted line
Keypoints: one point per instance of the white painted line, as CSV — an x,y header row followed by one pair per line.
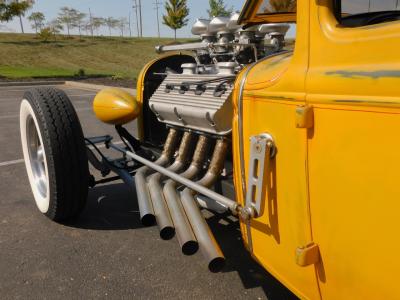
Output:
x,y
16,116
8,117
20,161
11,162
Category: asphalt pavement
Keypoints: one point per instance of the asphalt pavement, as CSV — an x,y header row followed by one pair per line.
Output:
x,y
105,253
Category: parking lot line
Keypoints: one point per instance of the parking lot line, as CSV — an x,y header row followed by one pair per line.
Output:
x,y
21,160
11,162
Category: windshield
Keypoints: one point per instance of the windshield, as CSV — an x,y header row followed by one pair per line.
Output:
x,y
355,7
277,6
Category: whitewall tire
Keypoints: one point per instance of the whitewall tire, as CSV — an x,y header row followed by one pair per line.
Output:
x,y
54,152
34,156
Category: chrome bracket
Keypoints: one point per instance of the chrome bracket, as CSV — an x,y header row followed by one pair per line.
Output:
x,y
262,148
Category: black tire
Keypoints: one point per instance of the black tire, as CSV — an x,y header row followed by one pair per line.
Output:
x,y
65,161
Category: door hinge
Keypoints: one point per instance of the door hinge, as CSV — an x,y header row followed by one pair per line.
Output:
x,y
305,116
307,255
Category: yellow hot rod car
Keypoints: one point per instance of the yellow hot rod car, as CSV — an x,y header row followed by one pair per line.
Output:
x,y
299,144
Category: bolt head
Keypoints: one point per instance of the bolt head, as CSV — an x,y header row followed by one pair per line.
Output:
x,y
258,148
246,213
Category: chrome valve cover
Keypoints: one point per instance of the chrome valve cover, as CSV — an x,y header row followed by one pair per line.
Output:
x,y
200,102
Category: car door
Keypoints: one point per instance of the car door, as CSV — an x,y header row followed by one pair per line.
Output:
x,y
353,85
269,97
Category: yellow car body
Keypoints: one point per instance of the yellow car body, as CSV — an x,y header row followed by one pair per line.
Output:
x,y
330,216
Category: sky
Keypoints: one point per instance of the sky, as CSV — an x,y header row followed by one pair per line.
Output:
x,y
197,8
122,8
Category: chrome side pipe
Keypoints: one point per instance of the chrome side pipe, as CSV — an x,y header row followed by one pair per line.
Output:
x,y
184,232
161,211
207,243
143,195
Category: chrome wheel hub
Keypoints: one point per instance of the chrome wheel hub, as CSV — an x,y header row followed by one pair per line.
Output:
x,y
36,158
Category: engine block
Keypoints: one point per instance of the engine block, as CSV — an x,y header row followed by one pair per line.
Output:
x,y
201,102
199,98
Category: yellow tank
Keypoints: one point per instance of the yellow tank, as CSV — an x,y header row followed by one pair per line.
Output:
x,y
115,106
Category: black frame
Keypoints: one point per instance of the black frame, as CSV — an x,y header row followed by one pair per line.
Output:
x,y
337,10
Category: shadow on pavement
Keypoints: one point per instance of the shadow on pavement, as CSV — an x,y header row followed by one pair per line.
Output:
x,y
113,207
227,232
109,207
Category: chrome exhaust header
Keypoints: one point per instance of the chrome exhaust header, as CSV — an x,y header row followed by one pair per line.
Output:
x,y
207,243
184,232
232,205
161,211
143,195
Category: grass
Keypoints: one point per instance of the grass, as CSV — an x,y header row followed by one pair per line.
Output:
x,y
26,56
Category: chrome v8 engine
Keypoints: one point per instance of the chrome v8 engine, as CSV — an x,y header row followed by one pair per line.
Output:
x,y
199,98
197,101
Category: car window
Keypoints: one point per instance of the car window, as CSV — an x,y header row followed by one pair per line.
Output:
x,y
352,7
277,6
356,13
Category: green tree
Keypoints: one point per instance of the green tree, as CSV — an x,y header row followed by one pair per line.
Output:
x,y
45,34
67,16
96,23
88,28
80,21
55,27
275,6
37,19
14,8
111,23
122,23
218,9
176,14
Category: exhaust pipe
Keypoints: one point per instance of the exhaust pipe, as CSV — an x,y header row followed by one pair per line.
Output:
x,y
208,245
143,196
184,232
162,214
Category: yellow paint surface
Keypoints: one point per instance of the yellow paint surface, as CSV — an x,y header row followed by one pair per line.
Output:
x,y
275,88
353,83
336,183
115,106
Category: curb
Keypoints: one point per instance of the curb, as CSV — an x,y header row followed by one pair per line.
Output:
x,y
96,87
30,83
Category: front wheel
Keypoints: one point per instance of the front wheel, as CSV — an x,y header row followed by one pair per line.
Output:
x,y
54,153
